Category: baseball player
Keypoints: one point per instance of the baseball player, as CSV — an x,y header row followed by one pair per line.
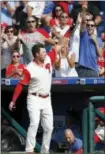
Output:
x,y
38,75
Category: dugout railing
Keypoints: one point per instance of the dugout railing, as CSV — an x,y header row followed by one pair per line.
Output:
x,y
88,123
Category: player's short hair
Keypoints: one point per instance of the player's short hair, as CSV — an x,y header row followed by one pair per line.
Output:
x,y
36,48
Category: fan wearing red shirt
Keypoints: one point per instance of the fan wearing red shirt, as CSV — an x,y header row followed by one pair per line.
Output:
x,y
64,5
101,64
101,60
38,77
55,20
15,69
63,30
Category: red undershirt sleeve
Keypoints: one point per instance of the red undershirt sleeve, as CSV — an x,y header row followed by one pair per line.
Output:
x,y
52,55
24,81
17,92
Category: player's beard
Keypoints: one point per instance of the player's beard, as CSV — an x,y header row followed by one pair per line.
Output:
x,y
42,60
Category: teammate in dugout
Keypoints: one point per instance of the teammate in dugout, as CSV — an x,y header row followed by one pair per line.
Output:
x,y
38,75
74,144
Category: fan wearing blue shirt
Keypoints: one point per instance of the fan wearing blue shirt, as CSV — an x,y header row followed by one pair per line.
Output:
x,y
90,49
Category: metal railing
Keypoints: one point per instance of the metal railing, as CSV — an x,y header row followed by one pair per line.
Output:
x,y
88,123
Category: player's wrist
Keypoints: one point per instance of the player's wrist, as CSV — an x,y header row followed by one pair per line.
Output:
x,y
13,101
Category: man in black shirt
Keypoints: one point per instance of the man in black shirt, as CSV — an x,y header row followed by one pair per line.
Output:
x,y
90,8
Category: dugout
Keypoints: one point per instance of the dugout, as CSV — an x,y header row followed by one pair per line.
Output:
x,y
64,95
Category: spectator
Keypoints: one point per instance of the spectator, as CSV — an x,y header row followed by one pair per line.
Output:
x,y
64,5
101,60
7,46
90,17
55,20
103,36
49,6
7,11
74,144
63,30
15,69
65,64
35,9
74,42
90,49
70,5
31,36
20,16
99,135
55,16
85,5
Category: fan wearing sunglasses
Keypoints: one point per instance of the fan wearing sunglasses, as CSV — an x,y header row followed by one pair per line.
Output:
x,y
55,20
15,69
31,36
63,29
90,49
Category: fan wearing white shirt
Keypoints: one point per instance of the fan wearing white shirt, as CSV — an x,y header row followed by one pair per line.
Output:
x,y
74,41
63,29
65,64
35,8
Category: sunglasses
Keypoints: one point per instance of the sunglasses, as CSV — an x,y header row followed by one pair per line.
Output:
x,y
9,31
87,19
64,17
90,25
15,56
31,21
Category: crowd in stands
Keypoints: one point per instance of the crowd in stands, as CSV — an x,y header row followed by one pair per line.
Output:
x,y
77,25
